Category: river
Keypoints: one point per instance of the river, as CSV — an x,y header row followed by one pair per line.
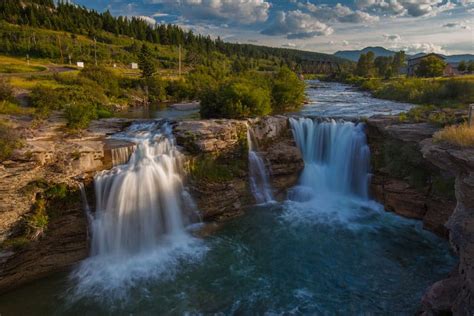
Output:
x,y
328,249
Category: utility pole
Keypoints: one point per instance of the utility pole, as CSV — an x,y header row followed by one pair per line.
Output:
x,y
179,61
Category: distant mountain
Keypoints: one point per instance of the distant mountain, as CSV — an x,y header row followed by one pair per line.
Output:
x,y
354,55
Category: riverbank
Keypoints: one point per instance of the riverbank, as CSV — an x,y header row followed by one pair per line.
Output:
x,y
440,101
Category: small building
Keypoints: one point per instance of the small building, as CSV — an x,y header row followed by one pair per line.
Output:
x,y
134,65
80,64
414,62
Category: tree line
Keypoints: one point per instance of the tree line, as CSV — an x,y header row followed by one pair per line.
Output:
x,y
68,17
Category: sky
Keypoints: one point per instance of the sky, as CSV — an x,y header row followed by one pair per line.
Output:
x,y
441,26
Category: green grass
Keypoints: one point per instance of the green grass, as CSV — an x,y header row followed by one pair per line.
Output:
x,y
18,65
9,108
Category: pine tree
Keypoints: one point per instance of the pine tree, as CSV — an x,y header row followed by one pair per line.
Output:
x,y
145,62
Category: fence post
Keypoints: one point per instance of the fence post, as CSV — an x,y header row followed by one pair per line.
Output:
x,y
471,115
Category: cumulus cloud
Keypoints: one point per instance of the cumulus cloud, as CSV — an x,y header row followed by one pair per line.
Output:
x,y
457,25
296,24
238,11
424,48
414,8
339,13
289,45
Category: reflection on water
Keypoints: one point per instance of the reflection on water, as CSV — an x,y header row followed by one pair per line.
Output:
x,y
158,110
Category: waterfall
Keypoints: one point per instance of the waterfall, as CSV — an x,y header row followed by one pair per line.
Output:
x,y
142,210
258,174
85,203
121,155
336,156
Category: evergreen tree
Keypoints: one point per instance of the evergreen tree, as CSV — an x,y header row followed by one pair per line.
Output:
x,y
430,66
145,62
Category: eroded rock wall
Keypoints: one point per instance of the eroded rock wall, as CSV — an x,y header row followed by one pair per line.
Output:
x,y
403,180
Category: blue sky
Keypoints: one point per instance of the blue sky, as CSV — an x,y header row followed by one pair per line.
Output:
x,y
443,26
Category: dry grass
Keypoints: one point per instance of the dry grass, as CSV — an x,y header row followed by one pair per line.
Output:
x,y
461,135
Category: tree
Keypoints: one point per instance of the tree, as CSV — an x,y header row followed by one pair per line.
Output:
x,y
384,66
398,62
365,65
470,66
288,91
145,62
430,66
462,66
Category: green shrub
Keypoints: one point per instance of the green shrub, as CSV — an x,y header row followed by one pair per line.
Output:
x,y
79,114
6,91
37,221
104,78
9,141
236,99
288,91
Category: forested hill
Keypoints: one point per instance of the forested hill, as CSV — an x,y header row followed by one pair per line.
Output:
x,y
78,20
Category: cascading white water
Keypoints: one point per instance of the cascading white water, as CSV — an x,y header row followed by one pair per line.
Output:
x,y
121,155
336,156
258,174
142,209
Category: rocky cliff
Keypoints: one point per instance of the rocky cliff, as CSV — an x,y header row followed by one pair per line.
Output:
x,y
217,153
42,223
419,178
403,180
455,294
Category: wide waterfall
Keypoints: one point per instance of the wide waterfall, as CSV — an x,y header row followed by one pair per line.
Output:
x,y
142,209
336,156
258,174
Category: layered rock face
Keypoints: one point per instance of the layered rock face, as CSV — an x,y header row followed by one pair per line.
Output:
x,y
404,181
213,146
48,158
455,294
418,178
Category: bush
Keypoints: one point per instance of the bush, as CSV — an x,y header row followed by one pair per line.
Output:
x,y
79,114
9,141
6,91
430,67
236,99
288,91
104,78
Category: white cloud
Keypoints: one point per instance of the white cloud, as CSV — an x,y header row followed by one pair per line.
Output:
x,y
424,48
339,13
296,24
414,8
238,11
289,45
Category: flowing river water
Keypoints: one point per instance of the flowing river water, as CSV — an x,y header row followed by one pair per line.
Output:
x,y
328,249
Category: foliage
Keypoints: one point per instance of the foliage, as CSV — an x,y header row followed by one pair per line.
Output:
x,y
145,62
37,221
430,66
103,77
288,91
365,65
9,141
6,90
236,99
460,135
